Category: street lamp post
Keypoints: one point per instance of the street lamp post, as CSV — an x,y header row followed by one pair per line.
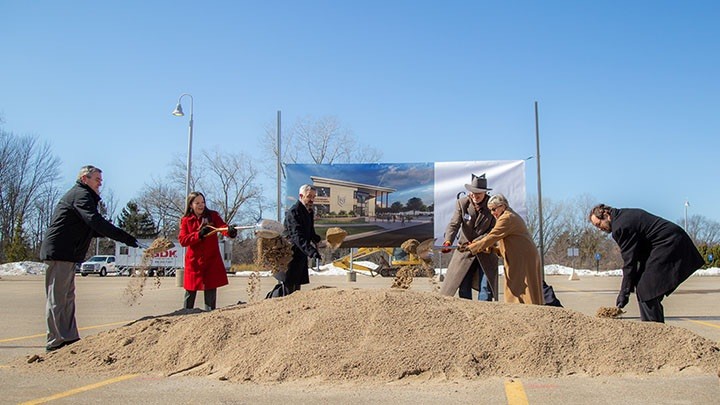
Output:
x,y
180,273
687,204
179,113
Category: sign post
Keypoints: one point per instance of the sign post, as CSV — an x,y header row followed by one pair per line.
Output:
x,y
597,262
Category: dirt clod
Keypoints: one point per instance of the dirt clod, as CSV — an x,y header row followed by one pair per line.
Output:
x,y
609,312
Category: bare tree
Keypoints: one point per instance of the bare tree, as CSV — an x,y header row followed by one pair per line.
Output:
x,y
230,182
321,140
227,180
41,214
109,204
165,203
553,221
27,166
702,230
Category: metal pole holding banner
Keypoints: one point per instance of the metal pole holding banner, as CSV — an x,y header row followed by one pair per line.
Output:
x,y
539,187
279,168
351,276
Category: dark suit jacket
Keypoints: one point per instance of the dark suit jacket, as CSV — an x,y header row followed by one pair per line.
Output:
x,y
300,230
658,255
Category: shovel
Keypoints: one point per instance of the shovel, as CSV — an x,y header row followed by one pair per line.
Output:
x,y
265,228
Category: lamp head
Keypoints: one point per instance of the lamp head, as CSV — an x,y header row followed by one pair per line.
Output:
x,y
178,111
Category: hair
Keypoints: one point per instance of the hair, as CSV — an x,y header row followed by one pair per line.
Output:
x,y
87,171
600,211
305,188
498,199
190,199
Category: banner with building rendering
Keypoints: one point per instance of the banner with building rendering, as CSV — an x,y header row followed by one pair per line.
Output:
x,y
385,204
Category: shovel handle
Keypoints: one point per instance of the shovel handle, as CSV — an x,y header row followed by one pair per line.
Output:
x,y
216,230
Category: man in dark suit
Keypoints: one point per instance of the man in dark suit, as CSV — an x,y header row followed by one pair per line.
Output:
x,y
658,255
300,230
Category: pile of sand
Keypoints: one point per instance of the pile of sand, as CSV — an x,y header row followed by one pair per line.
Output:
x,y
335,334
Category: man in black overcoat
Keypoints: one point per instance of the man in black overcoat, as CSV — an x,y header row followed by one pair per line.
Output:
x,y
75,221
300,230
657,255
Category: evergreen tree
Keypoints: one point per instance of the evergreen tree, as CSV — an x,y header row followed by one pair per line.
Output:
x,y
18,249
136,223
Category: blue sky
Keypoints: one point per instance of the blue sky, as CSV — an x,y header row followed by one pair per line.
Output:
x,y
627,91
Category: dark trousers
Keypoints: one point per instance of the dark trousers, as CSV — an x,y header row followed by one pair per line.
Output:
x,y
209,295
466,287
291,288
652,310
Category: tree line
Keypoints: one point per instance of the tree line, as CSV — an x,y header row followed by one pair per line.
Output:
x,y
231,182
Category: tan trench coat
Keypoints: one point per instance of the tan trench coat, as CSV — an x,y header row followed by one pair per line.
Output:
x,y
523,277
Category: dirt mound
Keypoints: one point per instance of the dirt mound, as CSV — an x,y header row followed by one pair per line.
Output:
x,y
385,335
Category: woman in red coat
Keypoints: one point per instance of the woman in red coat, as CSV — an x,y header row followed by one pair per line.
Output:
x,y
204,267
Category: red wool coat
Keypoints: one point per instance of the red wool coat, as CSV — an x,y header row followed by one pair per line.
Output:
x,y
204,267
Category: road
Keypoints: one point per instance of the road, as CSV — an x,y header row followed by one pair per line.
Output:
x,y
99,307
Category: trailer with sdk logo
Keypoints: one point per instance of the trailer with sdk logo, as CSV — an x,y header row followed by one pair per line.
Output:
x,y
130,260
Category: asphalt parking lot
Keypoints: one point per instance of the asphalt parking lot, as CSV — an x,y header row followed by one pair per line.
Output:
x,y
100,307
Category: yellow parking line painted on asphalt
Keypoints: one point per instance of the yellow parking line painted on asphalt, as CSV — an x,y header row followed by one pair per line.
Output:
x,y
43,334
712,325
80,389
515,393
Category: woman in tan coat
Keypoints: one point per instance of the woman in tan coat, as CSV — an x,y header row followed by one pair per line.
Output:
x,y
523,277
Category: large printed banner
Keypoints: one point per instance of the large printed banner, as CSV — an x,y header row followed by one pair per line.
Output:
x,y
385,204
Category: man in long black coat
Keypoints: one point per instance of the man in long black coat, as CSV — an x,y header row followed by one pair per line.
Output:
x,y
658,255
75,222
300,230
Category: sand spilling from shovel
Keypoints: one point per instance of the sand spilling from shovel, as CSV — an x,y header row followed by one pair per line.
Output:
x,y
273,254
396,335
424,250
160,244
335,237
410,246
253,287
134,290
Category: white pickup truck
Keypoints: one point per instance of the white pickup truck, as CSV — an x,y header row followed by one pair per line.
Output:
x,y
100,264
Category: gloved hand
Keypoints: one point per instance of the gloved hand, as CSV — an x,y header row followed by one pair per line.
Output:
x,y
232,232
472,248
204,231
622,299
447,243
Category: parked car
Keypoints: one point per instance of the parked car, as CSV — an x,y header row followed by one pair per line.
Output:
x,y
100,264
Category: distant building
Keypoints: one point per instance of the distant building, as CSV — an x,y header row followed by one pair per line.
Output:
x,y
339,195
